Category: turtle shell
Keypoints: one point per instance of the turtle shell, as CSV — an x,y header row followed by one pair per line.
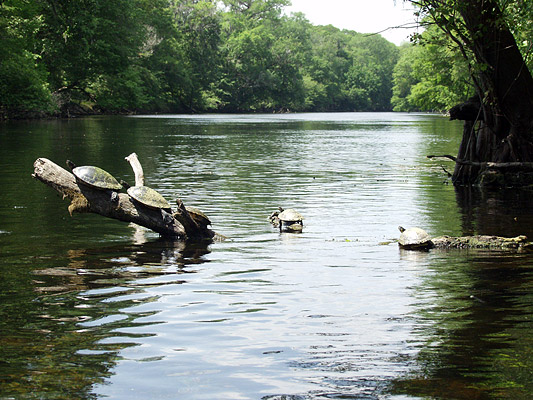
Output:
x,y
148,196
198,216
96,177
414,237
290,215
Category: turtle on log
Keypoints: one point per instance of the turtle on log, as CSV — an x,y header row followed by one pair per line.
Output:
x,y
198,216
152,199
96,178
414,239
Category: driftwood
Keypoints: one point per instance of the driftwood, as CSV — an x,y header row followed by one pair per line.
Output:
x,y
518,243
85,199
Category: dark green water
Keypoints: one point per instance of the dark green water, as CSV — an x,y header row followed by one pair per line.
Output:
x,y
94,308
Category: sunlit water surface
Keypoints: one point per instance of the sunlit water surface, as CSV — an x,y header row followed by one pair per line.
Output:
x,y
94,308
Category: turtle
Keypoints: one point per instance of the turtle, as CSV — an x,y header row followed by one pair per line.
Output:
x,y
152,199
414,239
290,219
198,216
96,178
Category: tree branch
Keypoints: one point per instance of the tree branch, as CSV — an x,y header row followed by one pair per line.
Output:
x,y
137,169
488,165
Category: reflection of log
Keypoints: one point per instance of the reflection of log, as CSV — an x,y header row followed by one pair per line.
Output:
x,y
87,199
520,243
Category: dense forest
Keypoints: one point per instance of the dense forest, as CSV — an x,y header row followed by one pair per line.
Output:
x,y
183,56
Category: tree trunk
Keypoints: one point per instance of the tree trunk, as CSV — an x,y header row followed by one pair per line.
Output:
x,y
503,130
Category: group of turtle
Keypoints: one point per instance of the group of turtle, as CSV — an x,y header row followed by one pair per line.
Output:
x,y
288,220
292,221
97,178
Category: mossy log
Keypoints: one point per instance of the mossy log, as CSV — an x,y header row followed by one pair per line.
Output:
x,y
85,199
518,243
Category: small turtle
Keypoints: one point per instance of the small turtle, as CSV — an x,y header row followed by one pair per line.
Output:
x,y
96,178
198,216
290,219
414,239
152,199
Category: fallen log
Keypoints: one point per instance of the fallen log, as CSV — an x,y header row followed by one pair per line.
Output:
x,y
518,243
85,199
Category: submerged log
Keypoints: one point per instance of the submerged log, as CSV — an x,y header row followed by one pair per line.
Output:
x,y
85,199
518,243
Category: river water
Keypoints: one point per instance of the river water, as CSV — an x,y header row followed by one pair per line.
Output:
x,y
95,308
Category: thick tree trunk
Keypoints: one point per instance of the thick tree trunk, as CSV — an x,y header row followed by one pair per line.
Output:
x,y
502,131
86,199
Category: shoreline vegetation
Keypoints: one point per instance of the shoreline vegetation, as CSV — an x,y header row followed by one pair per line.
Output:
x,y
120,57
184,56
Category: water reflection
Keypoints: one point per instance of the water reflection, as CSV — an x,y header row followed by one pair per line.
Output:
x,y
504,212
71,336
473,331
91,308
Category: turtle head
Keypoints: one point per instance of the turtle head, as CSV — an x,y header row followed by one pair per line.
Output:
x,y
71,165
125,184
167,216
401,228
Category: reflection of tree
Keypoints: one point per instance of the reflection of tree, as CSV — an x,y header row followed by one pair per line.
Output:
x,y
474,321
502,213
51,344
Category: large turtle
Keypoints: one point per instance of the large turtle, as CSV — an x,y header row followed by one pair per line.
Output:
x,y
96,178
290,219
414,239
198,216
152,199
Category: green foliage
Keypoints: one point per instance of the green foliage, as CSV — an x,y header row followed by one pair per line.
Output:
x,y
23,81
347,71
430,77
444,70
261,54
84,39
369,79
185,55
209,55
519,14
